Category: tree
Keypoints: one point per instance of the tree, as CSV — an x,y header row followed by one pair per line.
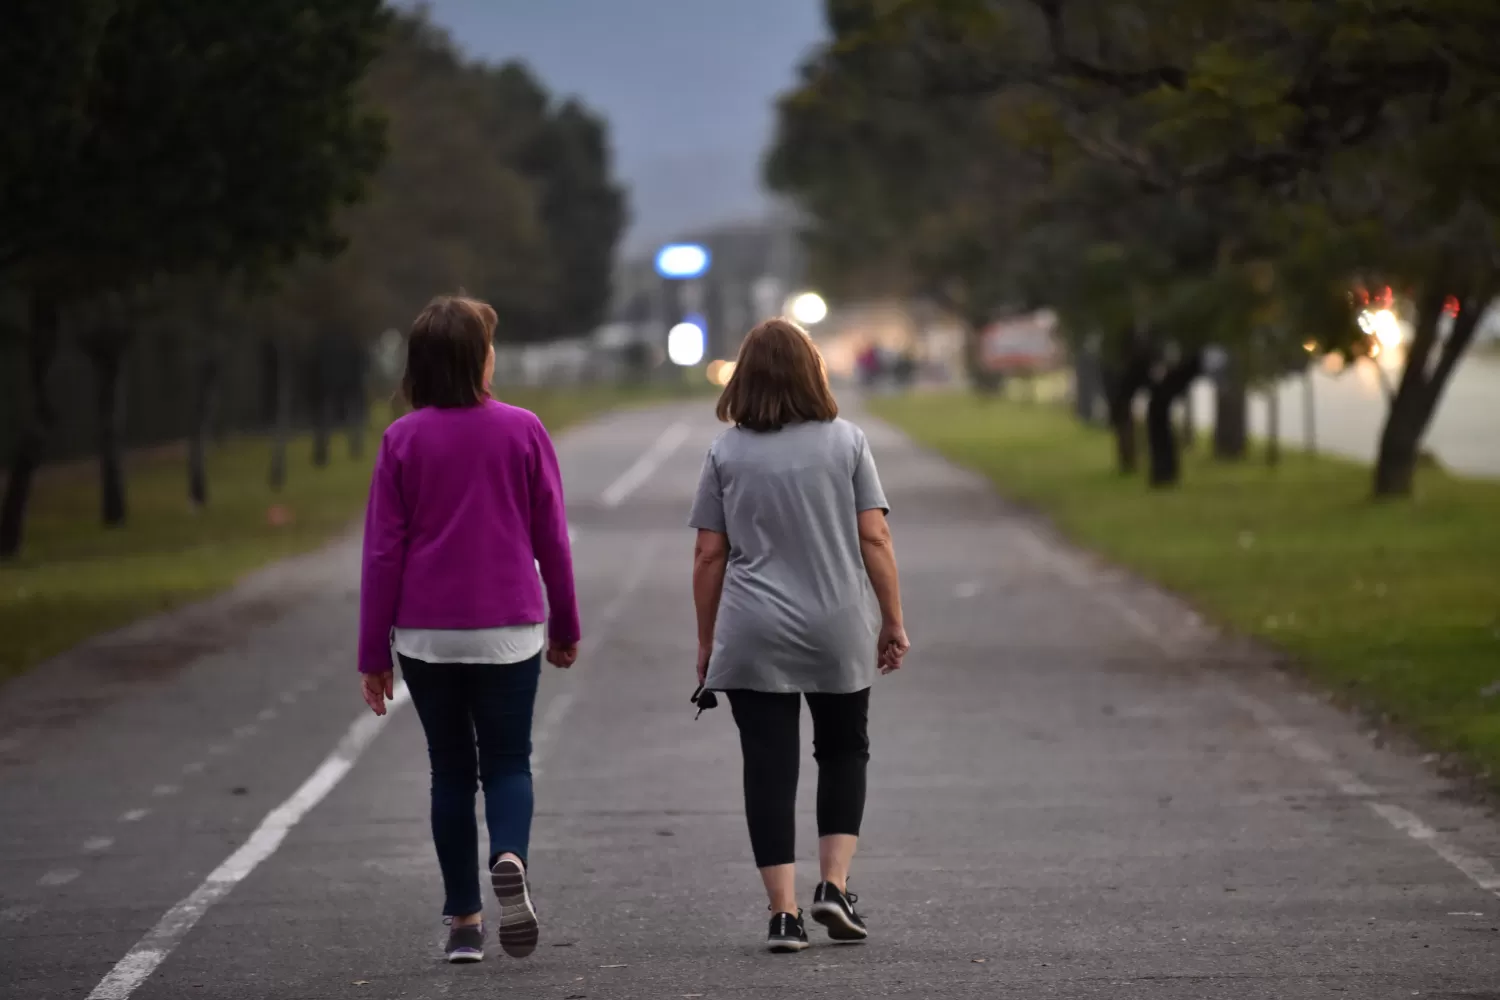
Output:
x,y
176,135
563,151
1275,119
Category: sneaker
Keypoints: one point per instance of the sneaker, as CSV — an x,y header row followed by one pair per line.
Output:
x,y
787,933
835,911
518,927
465,944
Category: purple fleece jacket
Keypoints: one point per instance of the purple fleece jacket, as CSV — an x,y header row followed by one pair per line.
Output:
x,y
461,503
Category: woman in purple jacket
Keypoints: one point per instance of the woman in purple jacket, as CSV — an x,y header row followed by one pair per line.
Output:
x,y
466,505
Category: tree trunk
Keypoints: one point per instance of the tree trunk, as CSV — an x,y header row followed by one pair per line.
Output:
x,y
1122,425
1273,425
203,412
1161,438
1088,389
1122,379
41,341
322,401
281,425
1189,419
984,381
1396,461
322,431
1421,388
108,355
1309,414
1231,414
358,409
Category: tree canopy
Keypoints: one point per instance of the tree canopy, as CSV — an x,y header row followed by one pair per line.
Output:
x,y
1200,172
298,174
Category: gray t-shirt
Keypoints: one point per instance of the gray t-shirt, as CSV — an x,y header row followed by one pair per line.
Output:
x,y
798,612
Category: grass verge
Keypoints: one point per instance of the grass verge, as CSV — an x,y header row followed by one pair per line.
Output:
x,y
76,579
1394,606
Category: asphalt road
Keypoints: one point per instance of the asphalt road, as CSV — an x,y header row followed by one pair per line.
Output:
x,y
1349,410
1077,791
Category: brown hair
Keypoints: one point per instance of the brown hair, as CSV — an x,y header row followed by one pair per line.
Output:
x,y
779,379
446,352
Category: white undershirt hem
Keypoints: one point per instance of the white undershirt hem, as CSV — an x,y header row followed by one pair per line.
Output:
x,y
509,644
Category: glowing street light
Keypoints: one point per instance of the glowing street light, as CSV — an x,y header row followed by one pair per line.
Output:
x,y
682,260
685,344
809,308
720,372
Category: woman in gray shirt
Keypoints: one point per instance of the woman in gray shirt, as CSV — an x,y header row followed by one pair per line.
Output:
x,y
794,581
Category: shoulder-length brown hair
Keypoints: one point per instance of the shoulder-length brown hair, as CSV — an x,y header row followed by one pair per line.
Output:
x,y
446,353
779,379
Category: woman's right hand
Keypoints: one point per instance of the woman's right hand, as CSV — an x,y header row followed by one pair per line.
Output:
x,y
892,647
561,656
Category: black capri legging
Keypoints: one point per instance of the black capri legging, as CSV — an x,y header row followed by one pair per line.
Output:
x,y
768,725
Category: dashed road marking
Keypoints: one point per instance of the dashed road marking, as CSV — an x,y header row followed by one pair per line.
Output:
x,y
162,791
59,876
134,815
150,951
542,735
96,844
634,477
1294,741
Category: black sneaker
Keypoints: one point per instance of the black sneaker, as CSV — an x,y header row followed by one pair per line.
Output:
x,y
465,944
518,927
787,933
835,911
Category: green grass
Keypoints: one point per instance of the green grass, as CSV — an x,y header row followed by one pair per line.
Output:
x,y
1395,606
75,578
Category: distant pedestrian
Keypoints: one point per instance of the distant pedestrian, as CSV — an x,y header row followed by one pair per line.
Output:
x,y
795,585
869,362
465,505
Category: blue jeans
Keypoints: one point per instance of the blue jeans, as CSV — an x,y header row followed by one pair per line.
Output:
x,y
477,717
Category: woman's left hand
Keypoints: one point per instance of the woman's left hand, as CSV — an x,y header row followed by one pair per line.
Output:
x,y
377,688
703,655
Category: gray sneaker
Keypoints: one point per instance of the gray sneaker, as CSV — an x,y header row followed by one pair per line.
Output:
x,y
518,926
465,944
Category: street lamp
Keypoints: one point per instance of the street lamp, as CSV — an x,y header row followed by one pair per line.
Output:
x,y
809,308
685,344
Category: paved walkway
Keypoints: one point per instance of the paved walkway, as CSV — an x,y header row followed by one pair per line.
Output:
x,y
1077,791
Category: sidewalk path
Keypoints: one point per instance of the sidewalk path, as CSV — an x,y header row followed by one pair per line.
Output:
x,y
1077,791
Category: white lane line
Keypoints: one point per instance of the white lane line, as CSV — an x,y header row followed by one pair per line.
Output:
x,y
1479,870
195,767
266,714
541,737
162,791
1291,739
59,876
218,749
249,729
152,949
634,477
134,816
96,844
288,698
16,913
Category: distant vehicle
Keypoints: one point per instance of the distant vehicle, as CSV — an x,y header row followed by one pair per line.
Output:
x,y
1021,345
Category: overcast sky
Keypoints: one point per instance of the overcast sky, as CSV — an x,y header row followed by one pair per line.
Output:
x,y
687,87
